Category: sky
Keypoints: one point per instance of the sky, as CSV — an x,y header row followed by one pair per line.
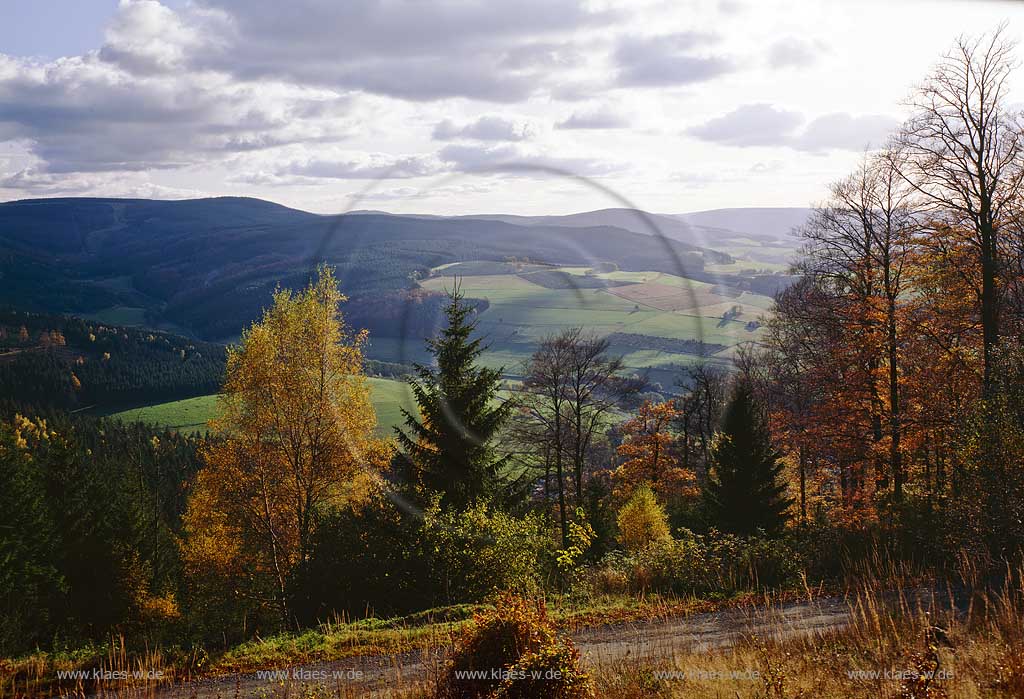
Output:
x,y
463,106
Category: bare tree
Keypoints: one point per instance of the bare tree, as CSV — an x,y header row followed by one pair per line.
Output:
x,y
963,156
700,412
570,392
544,402
596,389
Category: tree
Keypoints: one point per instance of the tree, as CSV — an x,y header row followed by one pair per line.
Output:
x,y
744,491
642,520
569,394
649,457
963,155
450,449
595,390
298,430
544,405
699,412
859,252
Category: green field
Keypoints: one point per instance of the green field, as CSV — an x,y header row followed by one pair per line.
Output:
x,y
641,306
520,313
192,414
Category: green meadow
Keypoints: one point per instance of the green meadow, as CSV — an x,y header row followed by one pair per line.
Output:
x,y
520,313
192,414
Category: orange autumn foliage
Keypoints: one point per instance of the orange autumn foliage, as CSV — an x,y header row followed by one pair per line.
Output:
x,y
648,455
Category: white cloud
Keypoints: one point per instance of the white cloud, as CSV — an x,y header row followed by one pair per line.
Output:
x,y
602,116
658,61
793,52
488,127
766,125
750,125
846,132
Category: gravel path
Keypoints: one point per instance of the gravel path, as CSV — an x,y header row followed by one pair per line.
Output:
x,y
378,676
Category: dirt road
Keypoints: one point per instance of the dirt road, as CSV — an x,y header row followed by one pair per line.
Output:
x,y
379,676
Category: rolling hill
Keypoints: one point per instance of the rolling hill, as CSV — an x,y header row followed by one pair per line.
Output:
x,y
206,268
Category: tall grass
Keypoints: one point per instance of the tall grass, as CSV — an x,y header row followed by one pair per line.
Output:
x,y
937,641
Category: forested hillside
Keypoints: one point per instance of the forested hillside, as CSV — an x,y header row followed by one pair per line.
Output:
x,y
210,266
65,362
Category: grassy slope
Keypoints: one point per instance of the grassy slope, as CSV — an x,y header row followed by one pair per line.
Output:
x,y
521,313
192,414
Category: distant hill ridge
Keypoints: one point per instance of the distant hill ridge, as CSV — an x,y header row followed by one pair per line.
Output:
x,y
207,267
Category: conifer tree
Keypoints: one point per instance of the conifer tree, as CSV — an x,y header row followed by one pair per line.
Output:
x,y
745,490
449,446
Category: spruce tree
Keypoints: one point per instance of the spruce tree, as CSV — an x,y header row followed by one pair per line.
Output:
x,y
449,445
744,490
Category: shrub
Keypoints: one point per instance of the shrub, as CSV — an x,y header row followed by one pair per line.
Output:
x,y
694,564
383,558
479,551
642,520
514,652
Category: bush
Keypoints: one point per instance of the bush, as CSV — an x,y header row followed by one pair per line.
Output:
x,y
694,564
514,652
479,551
642,520
384,558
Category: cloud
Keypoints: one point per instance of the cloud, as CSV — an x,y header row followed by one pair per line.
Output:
x,y
486,128
365,167
145,38
85,114
846,132
500,52
793,52
695,180
32,182
600,117
667,60
750,125
512,159
766,125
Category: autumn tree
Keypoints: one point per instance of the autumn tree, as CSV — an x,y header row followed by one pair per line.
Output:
x,y
642,520
648,456
964,156
859,252
297,431
745,490
450,446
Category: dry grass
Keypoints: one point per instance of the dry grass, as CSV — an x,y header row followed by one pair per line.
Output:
x,y
929,645
916,643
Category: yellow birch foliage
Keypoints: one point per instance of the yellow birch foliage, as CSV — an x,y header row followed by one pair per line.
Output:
x,y
297,435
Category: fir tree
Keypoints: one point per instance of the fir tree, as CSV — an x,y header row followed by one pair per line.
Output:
x,y
450,448
745,490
